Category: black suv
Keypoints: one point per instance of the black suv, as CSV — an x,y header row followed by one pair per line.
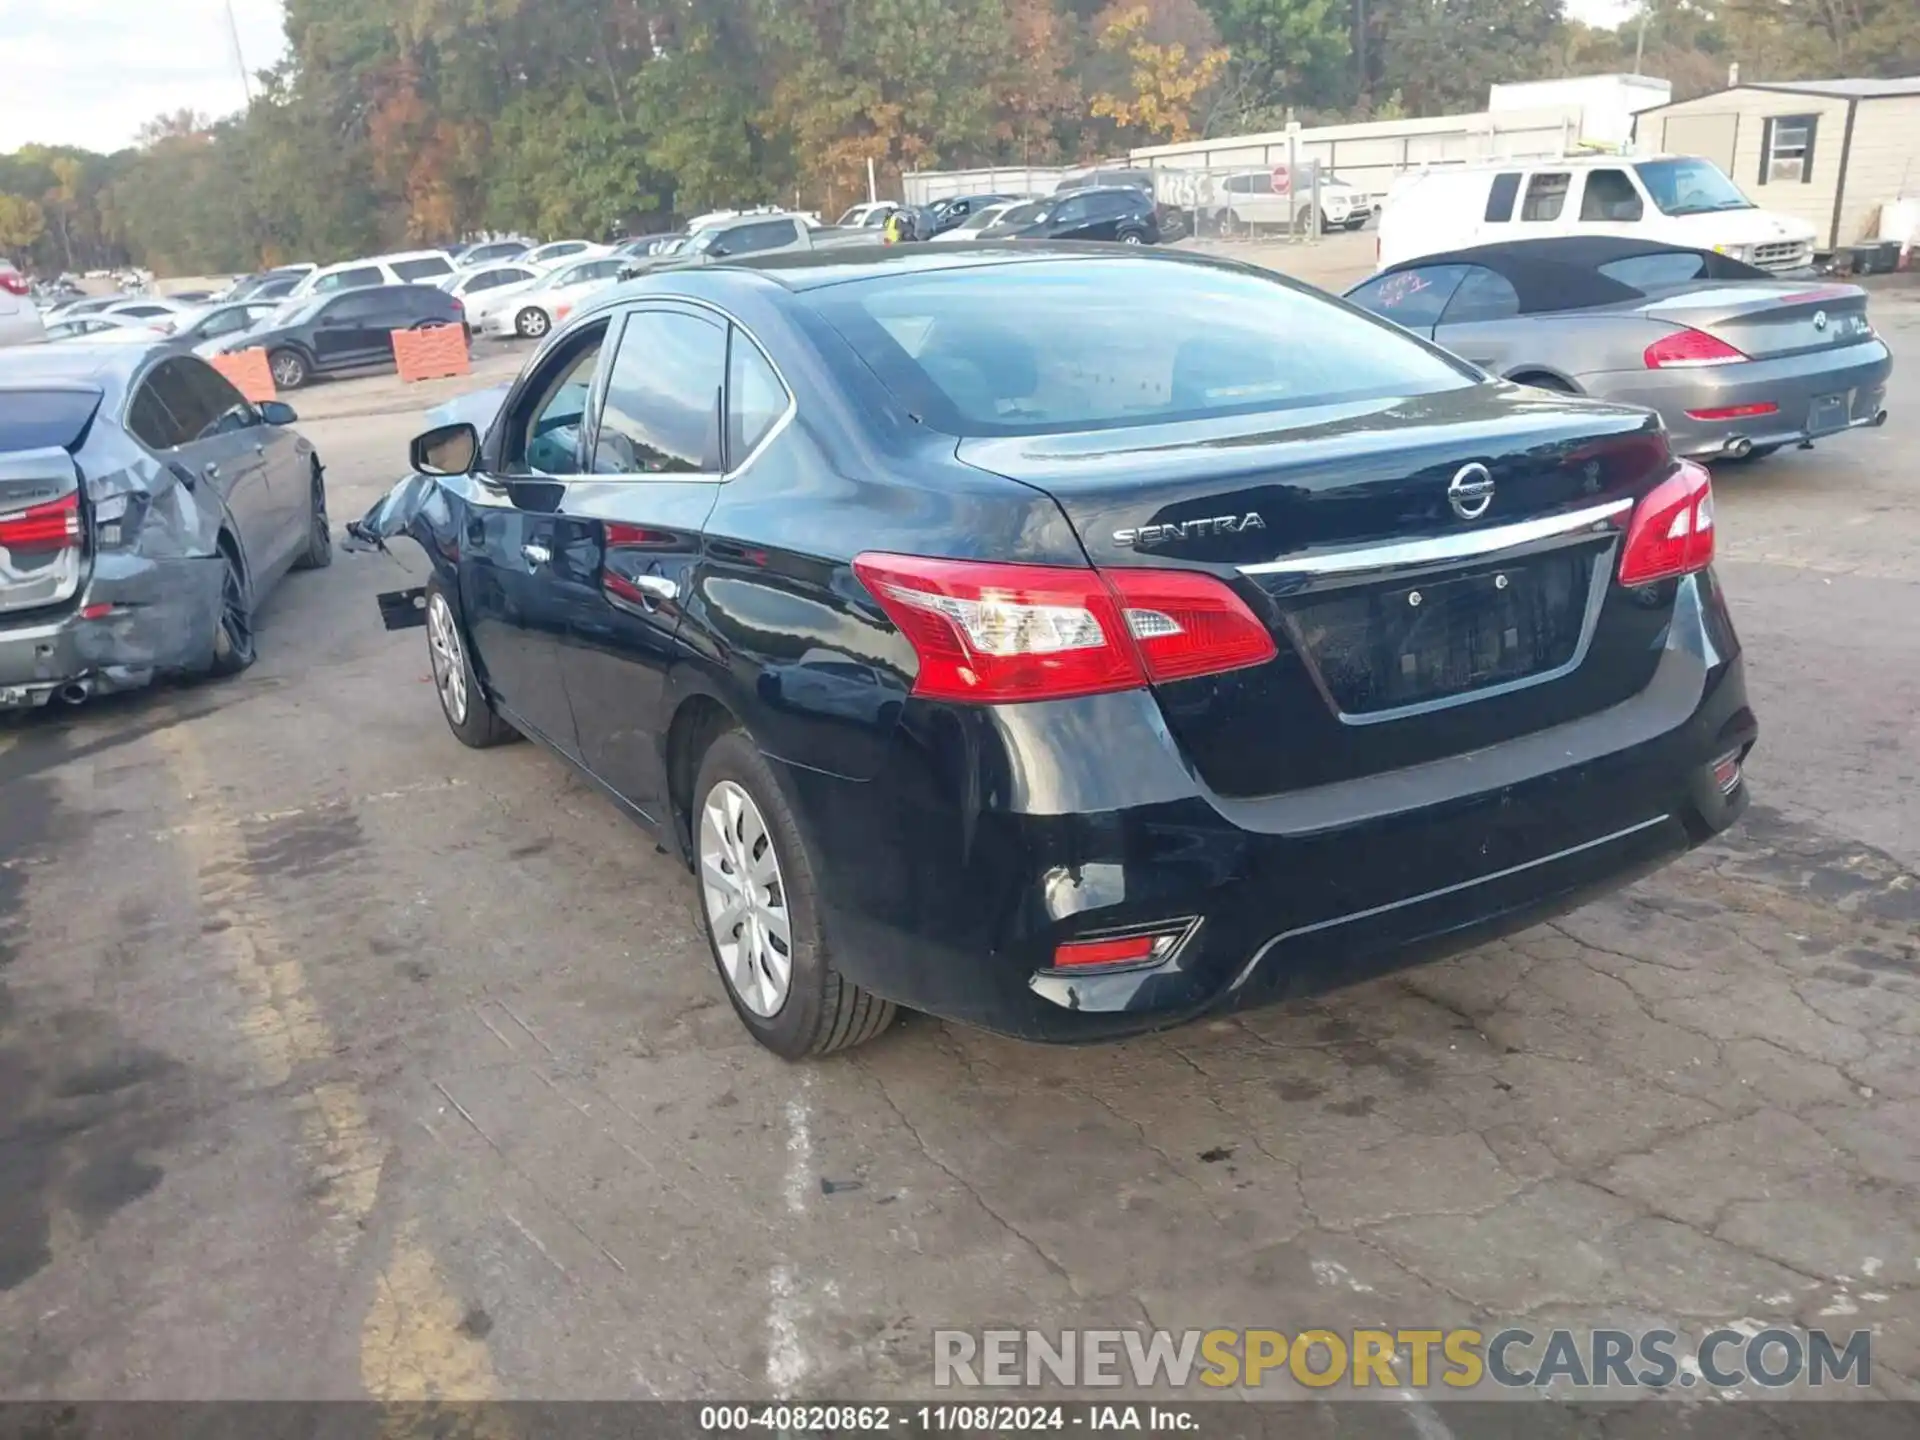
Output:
x,y
349,330
1100,212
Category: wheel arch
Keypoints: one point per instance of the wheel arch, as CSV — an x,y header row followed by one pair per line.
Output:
x,y
698,720
1532,373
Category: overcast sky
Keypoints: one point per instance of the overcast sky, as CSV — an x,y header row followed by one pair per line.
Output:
x,y
92,72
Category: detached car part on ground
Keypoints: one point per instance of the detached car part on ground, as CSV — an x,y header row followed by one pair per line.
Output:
x,y
1736,361
145,509
1074,668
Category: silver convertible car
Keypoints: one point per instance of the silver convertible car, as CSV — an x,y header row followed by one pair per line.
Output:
x,y
145,506
1738,362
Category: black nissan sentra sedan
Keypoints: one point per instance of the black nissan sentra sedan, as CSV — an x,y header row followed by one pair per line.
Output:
x,y
1071,641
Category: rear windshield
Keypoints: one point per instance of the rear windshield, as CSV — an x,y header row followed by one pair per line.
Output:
x,y
420,269
44,419
1063,345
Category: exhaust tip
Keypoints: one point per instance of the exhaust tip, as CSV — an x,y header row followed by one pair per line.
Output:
x,y
1879,418
1737,448
76,692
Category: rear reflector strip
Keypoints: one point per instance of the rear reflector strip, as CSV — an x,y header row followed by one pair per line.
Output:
x,y
1735,412
1726,773
1128,951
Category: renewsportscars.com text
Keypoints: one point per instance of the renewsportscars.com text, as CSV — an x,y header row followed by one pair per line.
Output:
x,y
1459,1359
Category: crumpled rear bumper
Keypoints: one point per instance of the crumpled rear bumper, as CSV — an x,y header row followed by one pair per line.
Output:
x,y
161,618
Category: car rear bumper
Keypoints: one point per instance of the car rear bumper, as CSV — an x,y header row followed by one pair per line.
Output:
x,y
992,836
162,618
1852,381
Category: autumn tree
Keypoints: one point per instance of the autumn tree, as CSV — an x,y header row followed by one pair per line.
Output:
x,y
20,224
1169,63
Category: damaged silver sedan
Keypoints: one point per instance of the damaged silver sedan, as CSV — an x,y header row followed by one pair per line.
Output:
x,y
145,509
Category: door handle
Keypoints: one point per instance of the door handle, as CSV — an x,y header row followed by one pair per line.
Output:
x,y
536,554
660,587
211,471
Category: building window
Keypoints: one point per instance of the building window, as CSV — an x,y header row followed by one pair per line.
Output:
x,y
1786,149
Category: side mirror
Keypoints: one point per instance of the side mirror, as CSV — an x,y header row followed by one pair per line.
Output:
x,y
718,252
448,450
276,412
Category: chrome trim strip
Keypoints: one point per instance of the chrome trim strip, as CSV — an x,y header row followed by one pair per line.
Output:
x,y
1444,890
1439,549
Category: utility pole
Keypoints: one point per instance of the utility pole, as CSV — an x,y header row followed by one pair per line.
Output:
x,y
239,58
1640,39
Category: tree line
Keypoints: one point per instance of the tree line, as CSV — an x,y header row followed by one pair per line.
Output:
x,y
389,125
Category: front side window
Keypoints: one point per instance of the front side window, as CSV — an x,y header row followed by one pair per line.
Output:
x,y
1413,298
1546,195
216,395
1690,187
770,235
548,440
662,413
1040,347
1482,295
1786,149
1609,196
755,398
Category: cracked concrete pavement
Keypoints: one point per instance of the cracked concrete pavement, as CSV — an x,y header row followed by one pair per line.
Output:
x,y
341,1060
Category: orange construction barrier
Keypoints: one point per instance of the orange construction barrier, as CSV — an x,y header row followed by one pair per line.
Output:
x,y
431,354
248,372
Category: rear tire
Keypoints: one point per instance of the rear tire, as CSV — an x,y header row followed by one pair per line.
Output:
x,y
233,646
532,323
319,552
753,880
289,369
463,700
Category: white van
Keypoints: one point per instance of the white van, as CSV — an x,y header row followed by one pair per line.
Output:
x,y
407,267
1672,199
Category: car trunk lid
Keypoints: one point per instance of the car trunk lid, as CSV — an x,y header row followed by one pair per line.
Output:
x,y
40,529
1435,570
1770,319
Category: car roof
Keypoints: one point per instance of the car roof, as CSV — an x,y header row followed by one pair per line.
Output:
x,y
804,270
107,367
1563,272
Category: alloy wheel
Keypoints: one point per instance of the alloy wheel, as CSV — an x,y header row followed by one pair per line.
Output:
x,y
288,371
533,323
746,899
449,658
1129,239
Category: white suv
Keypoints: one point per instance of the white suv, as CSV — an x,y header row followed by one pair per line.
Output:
x,y
409,267
20,323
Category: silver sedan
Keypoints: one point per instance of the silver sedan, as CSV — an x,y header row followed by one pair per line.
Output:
x,y
1737,362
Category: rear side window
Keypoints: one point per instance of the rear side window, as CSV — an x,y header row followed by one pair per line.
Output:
x,y
42,419
1413,298
349,280
1609,196
1500,198
662,414
422,269
150,420
1482,295
1040,346
1546,196
755,398
363,307
192,408
1649,272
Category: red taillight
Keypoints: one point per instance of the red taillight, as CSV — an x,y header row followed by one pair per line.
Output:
x,y
1671,532
1689,348
53,526
1735,412
991,633
13,282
